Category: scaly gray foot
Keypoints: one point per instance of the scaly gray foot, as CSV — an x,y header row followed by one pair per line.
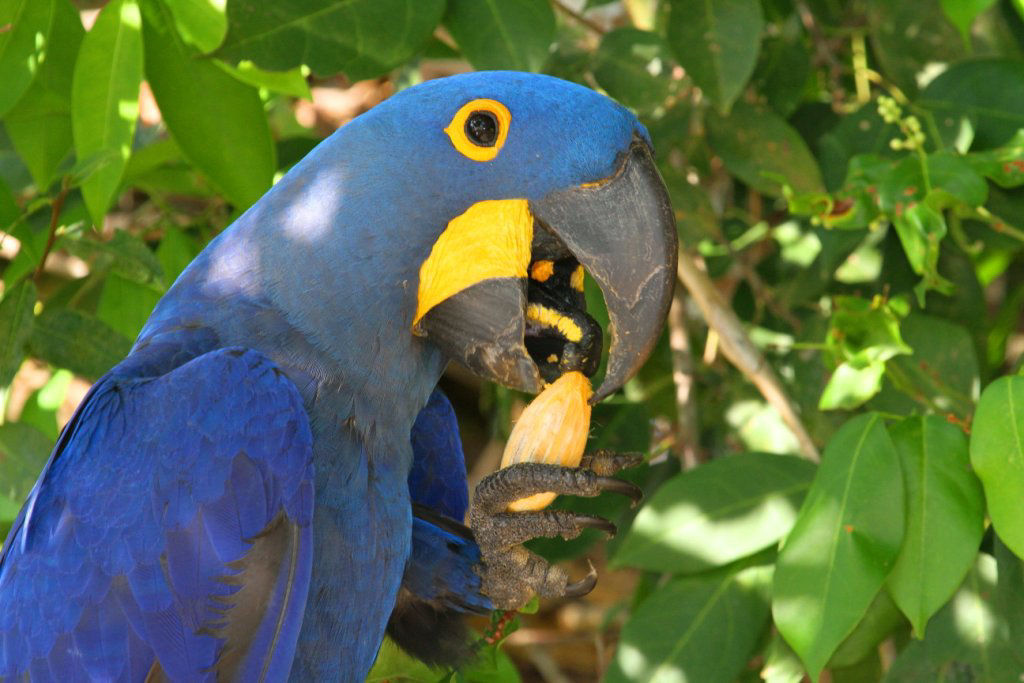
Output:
x,y
511,574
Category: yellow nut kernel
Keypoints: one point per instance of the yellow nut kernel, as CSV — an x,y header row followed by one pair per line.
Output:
x,y
552,429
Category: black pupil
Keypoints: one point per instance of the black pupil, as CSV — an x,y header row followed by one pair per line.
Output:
x,y
482,128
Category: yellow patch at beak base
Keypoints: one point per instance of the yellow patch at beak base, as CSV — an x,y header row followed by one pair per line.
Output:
x,y
491,239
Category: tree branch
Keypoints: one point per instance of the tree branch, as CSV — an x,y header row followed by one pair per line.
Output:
x,y
742,352
579,18
51,238
687,431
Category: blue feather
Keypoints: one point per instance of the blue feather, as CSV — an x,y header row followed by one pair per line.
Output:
x,y
129,548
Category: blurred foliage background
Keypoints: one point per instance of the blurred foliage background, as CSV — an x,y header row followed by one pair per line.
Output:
x,y
833,419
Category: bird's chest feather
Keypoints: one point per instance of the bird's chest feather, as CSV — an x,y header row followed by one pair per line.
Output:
x,y
362,528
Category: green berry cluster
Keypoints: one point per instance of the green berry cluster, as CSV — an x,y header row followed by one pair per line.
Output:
x,y
910,125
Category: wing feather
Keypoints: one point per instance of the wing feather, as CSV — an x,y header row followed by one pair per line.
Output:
x,y
170,532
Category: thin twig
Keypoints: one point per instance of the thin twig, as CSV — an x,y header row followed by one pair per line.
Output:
x,y
687,431
576,16
51,238
741,352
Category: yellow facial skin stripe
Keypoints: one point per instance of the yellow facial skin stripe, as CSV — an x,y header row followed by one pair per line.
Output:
x,y
576,280
456,130
542,270
548,317
490,240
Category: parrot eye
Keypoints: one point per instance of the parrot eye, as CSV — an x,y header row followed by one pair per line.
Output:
x,y
479,129
482,128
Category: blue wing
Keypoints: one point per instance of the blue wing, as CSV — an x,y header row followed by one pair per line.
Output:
x,y
440,584
438,476
170,533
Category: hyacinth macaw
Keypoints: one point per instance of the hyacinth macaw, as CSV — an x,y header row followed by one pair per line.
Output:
x,y
269,481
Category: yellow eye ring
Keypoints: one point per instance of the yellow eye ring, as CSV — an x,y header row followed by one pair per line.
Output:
x,y
486,113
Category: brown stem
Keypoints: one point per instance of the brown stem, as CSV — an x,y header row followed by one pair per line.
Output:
x,y
55,209
741,352
682,374
579,18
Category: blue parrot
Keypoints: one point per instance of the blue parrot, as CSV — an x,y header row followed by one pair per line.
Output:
x,y
270,480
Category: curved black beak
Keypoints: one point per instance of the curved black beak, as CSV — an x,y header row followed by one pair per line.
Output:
x,y
623,232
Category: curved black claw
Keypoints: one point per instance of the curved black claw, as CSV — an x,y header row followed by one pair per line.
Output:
x,y
600,523
621,486
577,589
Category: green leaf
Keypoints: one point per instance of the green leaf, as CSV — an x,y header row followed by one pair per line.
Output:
x,y
227,137
202,23
881,618
863,332
843,544
921,229
850,386
997,456
781,665
962,13
969,639
717,513
717,43
23,46
1009,598
125,304
782,73
40,123
9,210
492,666
634,67
394,664
945,517
175,252
1004,165
860,133
944,367
497,34
953,174
984,93
906,37
695,217
124,253
16,315
23,452
695,629
73,340
363,38
291,82
758,146
105,100
40,410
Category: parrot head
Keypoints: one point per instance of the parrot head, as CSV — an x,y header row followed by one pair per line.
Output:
x,y
454,221
544,180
